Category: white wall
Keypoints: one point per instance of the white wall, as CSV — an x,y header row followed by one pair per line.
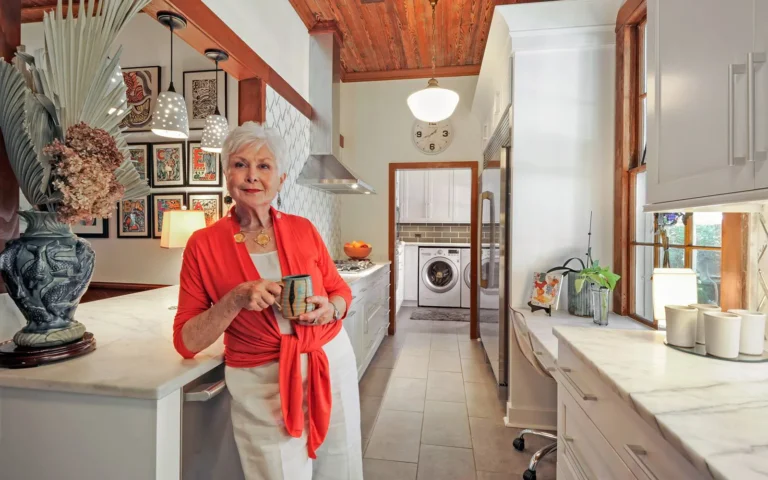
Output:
x,y
273,29
376,124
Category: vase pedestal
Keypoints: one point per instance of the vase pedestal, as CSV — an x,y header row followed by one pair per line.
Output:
x,y
14,356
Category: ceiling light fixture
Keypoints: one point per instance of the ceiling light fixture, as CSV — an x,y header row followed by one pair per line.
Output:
x,y
216,125
433,103
170,116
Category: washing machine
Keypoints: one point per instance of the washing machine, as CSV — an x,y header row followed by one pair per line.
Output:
x,y
489,297
466,276
439,277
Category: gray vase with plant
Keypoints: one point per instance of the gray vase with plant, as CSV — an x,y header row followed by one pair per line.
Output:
x,y
601,282
60,114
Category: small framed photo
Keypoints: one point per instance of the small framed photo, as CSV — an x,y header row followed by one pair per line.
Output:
x,y
210,203
94,228
162,202
202,96
142,84
167,165
134,218
204,167
139,154
546,291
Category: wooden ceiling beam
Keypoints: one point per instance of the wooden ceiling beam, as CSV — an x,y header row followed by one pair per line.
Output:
x,y
33,14
440,72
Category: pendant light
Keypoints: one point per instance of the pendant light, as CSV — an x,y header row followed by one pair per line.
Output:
x,y
216,125
170,116
433,103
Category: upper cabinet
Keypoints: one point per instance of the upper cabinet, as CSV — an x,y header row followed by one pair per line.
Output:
x,y
435,196
707,99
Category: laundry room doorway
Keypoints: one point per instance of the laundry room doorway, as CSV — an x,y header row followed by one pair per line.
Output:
x,y
433,236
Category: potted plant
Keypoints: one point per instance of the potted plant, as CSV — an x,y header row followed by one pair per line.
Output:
x,y
601,282
60,115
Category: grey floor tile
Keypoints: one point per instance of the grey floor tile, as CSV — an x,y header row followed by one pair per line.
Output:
x,y
494,476
446,424
405,394
445,387
411,366
492,445
485,401
472,352
396,436
369,409
374,381
447,342
444,361
477,373
388,470
384,359
445,463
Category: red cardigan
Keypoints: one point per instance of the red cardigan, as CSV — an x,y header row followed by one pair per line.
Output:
x,y
214,264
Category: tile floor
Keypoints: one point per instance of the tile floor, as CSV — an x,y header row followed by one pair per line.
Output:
x,y
430,410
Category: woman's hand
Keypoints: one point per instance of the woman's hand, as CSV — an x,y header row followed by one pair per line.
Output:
x,y
257,295
322,314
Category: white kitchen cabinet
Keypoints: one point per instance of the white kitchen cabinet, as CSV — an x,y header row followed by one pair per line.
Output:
x,y
692,151
440,185
761,94
435,196
400,286
368,317
462,196
411,273
414,196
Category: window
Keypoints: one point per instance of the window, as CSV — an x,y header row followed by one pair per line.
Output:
x,y
645,241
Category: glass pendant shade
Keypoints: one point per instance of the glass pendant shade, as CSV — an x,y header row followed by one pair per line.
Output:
x,y
433,104
170,116
216,130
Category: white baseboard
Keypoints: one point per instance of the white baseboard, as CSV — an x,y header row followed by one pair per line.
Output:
x,y
531,418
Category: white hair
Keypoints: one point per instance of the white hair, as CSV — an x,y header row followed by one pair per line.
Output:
x,y
252,134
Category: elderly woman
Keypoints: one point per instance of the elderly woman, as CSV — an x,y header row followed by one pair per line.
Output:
x,y
296,409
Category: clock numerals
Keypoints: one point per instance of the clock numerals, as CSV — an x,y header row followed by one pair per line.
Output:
x,y
418,134
431,146
445,133
432,138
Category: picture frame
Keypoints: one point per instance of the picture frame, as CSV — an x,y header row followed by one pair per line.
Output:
x,y
162,202
140,156
134,218
95,228
546,289
142,87
210,202
198,88
167,165
203,168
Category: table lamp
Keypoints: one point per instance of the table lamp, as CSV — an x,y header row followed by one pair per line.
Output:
x,y
178,226
672,286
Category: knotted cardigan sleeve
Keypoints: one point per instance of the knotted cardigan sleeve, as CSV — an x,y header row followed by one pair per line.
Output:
x,y
193,297
332,281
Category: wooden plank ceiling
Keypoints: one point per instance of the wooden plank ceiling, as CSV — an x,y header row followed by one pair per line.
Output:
x,y
392,39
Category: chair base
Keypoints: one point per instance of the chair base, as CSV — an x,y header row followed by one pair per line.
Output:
x,y
519,444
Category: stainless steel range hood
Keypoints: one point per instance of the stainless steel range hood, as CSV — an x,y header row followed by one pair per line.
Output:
x,y
323,169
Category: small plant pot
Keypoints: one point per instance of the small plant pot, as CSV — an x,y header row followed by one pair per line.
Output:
x,y
579,303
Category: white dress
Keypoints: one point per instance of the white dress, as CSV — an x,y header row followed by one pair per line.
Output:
x,y
266,450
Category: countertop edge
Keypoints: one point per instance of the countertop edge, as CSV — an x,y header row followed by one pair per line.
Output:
x,y
700,463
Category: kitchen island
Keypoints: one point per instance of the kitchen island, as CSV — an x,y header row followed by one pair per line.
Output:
x,y
133,408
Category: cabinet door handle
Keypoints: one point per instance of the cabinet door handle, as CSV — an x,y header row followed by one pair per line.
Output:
x,y
733,70
584,396
570,448
754,58
352,313
637,453
205,392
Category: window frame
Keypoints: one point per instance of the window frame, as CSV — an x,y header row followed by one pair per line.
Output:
x,y
630,42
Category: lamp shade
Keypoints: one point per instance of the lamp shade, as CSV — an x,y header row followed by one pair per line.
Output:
x,y
179,225
216,130
433,104
672,286
170,116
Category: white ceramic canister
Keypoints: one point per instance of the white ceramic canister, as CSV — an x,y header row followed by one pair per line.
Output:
x,y
681,325
752,336
723,333
700,324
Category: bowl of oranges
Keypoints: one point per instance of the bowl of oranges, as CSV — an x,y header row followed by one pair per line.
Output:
x,y
357,250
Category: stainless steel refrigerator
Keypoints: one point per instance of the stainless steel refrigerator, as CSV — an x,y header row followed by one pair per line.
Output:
x,y
495,208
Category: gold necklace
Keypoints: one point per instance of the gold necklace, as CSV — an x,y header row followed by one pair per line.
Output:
x,y
262,239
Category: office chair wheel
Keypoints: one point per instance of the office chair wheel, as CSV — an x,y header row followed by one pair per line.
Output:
x,y
529,475
519,444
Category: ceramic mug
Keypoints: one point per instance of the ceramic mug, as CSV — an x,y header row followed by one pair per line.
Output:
x,y
293,298
723,333
752,331
701,326
681,325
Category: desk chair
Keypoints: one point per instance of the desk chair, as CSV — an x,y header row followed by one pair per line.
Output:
x,y
523,337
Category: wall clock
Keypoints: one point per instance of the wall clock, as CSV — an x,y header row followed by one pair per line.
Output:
x,y
432,138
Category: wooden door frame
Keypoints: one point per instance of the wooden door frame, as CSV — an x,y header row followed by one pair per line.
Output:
x,y
473,242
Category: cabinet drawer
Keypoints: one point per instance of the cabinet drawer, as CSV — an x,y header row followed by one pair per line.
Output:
x,y
590,455
547,360
642,448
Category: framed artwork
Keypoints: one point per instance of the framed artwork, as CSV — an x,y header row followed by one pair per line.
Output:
x,y
202,96
94,228
141,89
162,202
546,291
210,203
204,167
139,154
167,165
134,218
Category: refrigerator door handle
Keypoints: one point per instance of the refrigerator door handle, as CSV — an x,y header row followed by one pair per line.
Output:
x,y
488,282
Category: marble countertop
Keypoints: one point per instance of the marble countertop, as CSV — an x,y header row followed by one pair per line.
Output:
x,y
351,278
714,412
